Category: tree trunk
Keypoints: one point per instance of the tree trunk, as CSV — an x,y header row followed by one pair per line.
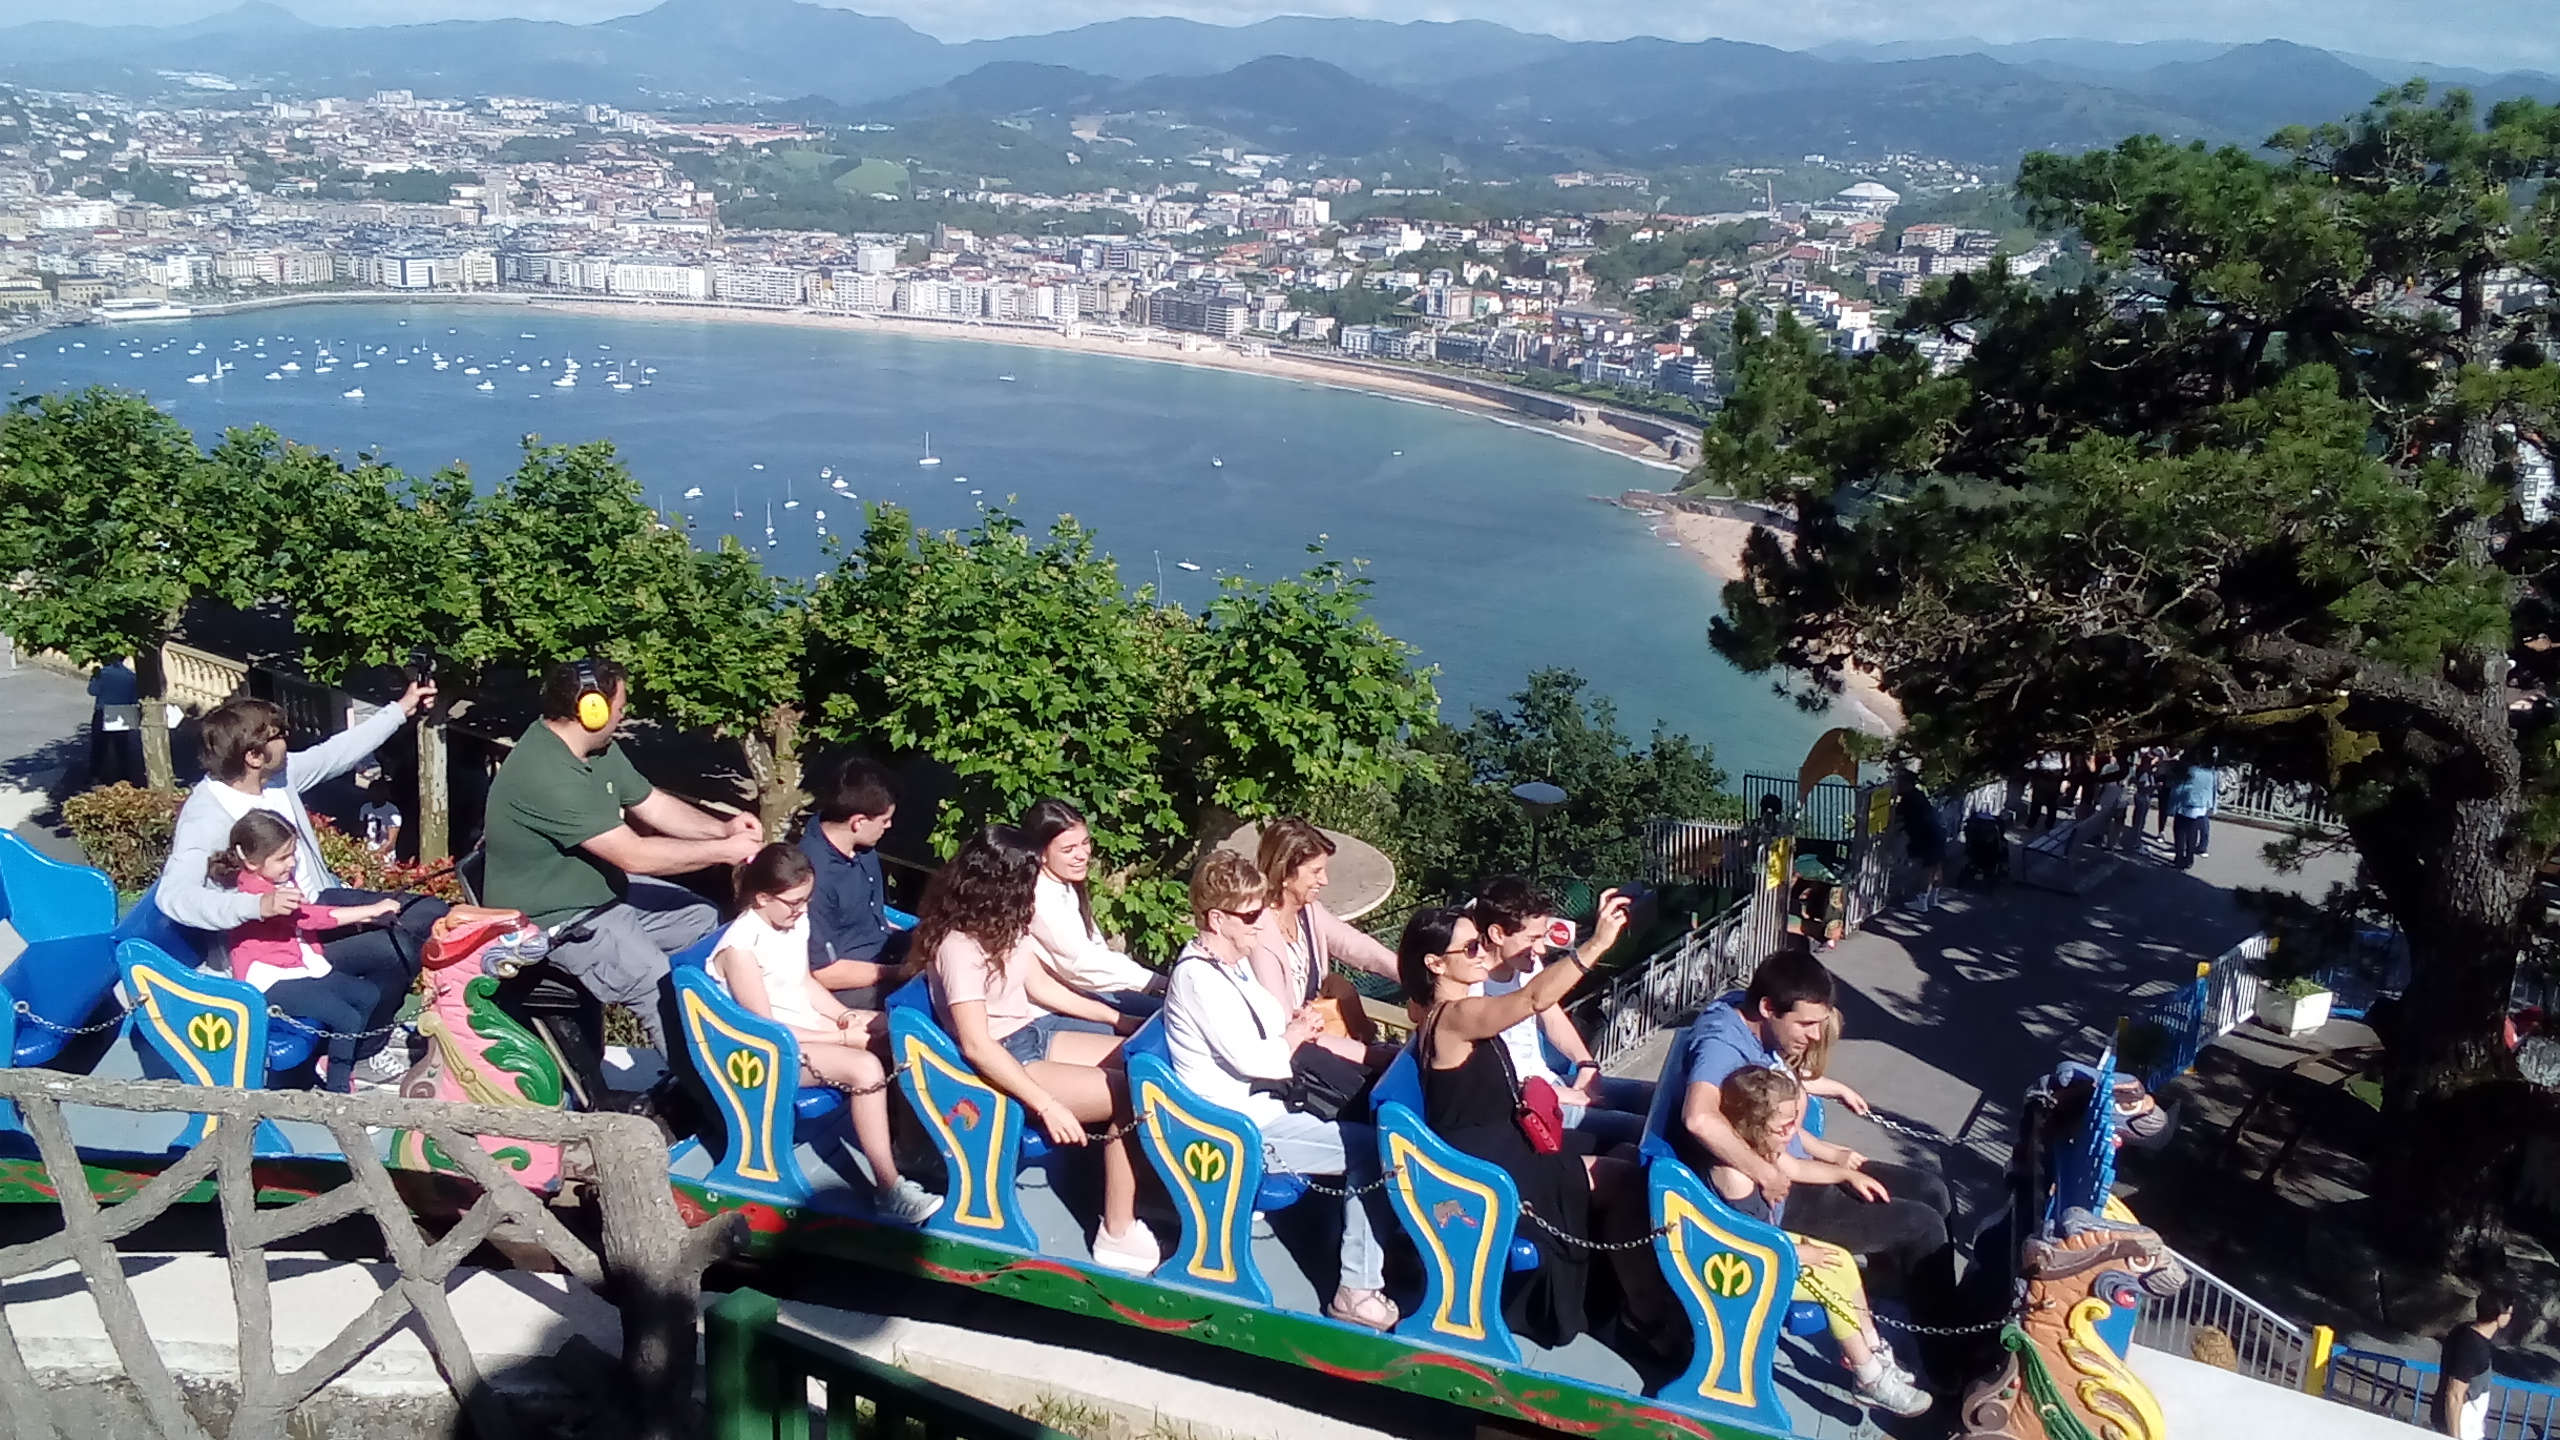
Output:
x,y
157,768
773,762
435,792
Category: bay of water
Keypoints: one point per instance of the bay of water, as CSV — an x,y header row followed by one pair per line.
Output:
x,y
1482,540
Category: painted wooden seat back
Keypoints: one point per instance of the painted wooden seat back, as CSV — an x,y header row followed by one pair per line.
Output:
x,y
1211,1160
749,1069
66,914
1719,1263
1459,1211
210,1029
978,1128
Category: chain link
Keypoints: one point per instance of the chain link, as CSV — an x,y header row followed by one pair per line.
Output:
x,y
856,1092
1882,1121
1639,1243
276,1012
1833,1303
26,1013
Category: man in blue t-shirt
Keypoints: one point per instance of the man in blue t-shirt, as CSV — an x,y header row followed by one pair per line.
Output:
x,y
1771,1025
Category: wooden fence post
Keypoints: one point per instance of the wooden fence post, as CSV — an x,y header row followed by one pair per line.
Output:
x,y
435,792
733,1383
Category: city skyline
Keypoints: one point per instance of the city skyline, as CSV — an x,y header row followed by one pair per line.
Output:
x,y
2497,35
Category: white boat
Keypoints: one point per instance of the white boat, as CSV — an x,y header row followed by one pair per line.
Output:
x,y
192,379
694,493
621,384
526,335
1184,565
649,370
564,382
929,457
822,514
487,385
824,471
1216,463
840,482
524,369
289,366
362,364
355,394
470,369
274,375
1006,379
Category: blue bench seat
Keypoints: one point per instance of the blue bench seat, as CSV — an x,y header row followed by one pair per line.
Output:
x,y
1211,1161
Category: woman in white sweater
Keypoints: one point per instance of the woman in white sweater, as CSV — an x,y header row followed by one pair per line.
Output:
x,y
1071,945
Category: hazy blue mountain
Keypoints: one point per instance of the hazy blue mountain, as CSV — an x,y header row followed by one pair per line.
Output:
x,y
1331,86
2109,57
1417,52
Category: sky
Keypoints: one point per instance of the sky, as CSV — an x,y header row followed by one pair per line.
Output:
x,y
2492,34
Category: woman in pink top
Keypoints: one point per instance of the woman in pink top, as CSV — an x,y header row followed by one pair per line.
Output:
x,y
1024,1030
276,953
1299,939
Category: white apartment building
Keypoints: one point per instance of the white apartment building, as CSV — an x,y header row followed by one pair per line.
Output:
x,y
760,284
658,279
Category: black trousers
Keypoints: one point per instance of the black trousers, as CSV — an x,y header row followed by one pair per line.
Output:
x,y
1904,1237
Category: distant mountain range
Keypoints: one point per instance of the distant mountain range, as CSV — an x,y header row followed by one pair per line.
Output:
x,y
1337,87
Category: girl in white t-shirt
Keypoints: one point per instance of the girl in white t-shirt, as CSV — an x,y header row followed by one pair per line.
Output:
x,y
763,962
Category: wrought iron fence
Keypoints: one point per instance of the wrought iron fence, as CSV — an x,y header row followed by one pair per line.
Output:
x,y
650,1265
2405,1390
2270,1347
2242,794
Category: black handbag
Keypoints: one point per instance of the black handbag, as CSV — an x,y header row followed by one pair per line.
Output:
x,y
1321,1084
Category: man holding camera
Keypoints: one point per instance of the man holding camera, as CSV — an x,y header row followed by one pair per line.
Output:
x,y
1519,923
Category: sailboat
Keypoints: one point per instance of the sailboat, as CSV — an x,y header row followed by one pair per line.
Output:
x,y
734,512
789,502
929,457
768,524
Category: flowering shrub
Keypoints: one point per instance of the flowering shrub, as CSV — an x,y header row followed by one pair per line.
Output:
x,y
125,831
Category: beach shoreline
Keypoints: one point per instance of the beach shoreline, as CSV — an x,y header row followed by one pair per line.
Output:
x,y
1714,543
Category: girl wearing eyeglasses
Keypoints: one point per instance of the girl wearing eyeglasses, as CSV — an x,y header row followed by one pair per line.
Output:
x,y
762,961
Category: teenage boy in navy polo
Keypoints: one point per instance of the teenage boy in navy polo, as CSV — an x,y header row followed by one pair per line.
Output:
x,y
852,949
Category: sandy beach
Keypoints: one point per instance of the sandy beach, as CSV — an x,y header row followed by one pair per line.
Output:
x,y
1715,543
1150,345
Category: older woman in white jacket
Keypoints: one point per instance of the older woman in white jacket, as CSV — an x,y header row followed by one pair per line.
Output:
x,y
1231,1042
1070,944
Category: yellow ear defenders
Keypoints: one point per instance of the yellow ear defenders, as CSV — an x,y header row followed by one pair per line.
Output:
x,y
595,708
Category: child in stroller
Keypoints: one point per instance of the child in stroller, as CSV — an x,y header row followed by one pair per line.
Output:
x,y
1986,849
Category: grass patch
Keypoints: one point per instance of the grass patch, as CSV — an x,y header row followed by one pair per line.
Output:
x,y
874,174
1077,1419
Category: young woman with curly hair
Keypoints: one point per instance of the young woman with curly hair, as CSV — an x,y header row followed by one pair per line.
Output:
x,y
1025,1031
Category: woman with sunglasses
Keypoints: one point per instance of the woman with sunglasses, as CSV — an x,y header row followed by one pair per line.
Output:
x,y
1025,1031
1232,1043
762,961
1471,1098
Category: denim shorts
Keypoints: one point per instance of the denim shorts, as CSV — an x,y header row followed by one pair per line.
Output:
x,y
1031,1042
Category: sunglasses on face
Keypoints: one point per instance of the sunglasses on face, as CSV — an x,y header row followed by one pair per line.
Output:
x,y
1250,917
1472,949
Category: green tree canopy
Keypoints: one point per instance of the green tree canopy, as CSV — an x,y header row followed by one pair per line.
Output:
x,y
2256,486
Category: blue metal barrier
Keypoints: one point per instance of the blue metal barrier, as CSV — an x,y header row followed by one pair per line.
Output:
x,y
2405,1389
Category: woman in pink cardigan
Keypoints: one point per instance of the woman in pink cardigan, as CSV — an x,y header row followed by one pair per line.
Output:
x,y
1298,939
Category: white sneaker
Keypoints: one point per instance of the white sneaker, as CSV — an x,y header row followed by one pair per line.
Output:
x,y
1893,1364
385,1066
907,1203
1133,1251
1890,1392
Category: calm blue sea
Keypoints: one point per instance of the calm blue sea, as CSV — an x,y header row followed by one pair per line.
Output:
x,y
1485,546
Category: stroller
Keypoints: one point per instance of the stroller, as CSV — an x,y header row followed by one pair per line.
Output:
x,y
1986,850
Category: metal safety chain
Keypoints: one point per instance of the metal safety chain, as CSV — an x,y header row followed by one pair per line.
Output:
x,y
24,1013
1833,1303
276,1012
1640,1242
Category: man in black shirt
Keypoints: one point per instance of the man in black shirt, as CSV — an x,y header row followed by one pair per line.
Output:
x,y
2462,1384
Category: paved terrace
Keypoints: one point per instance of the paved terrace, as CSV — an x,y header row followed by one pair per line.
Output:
x,y
1950,1016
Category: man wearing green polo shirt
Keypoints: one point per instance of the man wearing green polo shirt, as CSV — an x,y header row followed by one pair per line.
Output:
x,y
572,827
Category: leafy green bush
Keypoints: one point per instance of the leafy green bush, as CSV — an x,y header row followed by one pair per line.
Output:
x,y
125,831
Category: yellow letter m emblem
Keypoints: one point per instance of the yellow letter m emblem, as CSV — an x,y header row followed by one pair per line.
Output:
x,y
1204,1162
746,1069
210,1033
1728,1274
